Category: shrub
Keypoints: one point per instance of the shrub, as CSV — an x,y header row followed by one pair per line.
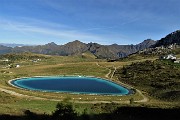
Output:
x,y
64,111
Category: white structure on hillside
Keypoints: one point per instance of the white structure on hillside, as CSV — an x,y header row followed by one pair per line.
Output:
x,y
168,57
17,66
5,60
177,60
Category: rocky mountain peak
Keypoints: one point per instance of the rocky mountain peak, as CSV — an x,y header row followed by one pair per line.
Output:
x,y
76,42
172,38
51,44
147,42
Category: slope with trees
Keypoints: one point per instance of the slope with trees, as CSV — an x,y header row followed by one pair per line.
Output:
x,y
160,79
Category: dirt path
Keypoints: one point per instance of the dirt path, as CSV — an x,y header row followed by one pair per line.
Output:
x,y
145,99
107,75
113,72
40,98
76,101
18,94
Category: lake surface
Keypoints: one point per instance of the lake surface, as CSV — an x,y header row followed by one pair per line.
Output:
x,y
75,85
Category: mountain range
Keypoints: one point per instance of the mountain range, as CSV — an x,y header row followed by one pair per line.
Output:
x,y
77,47
13,45
100,51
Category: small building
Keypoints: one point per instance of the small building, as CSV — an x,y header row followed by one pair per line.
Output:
x,y
177,60
17,66
5,60
168,57
34,61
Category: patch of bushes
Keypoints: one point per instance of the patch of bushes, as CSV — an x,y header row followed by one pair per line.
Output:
x,y
158,78
65,112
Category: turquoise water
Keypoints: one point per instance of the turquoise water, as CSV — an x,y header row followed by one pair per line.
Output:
x,y
77,85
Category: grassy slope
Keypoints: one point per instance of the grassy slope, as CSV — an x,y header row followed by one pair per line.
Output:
x,y
49,65
55,65
160,79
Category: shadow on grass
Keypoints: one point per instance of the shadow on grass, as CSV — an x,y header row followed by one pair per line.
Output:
x,y
121,113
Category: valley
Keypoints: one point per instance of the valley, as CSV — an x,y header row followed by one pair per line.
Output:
x,y
153,80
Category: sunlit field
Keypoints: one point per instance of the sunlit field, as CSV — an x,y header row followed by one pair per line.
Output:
x,y
41,102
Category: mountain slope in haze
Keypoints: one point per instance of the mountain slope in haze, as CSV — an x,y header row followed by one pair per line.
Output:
x,y
124,50
14,45
50,49
4,49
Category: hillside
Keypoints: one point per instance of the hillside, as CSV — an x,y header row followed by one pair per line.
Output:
x,y
167,45
4,49
172,38
86,64
72,48
125,50
160,79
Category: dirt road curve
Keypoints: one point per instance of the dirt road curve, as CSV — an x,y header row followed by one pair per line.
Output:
x,y
76,101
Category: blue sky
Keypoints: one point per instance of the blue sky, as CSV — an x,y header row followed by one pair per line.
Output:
x,y
101,21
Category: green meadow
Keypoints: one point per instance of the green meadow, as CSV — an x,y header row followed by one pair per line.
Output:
x,y
44,65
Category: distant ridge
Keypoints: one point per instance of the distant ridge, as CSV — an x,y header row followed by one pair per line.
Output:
x,y
13,45
77,47
4,49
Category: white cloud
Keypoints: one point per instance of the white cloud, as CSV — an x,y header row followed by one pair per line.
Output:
x,y
60,32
